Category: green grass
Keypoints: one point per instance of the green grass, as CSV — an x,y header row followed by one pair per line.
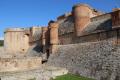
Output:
x,y
71,77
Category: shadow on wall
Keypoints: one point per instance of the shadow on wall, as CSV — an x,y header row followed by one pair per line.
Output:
x,y
107,25
35,50
98,25
38,48
70,18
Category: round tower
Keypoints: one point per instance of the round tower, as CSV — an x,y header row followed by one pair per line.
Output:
x,y
53,33
53,36
82,14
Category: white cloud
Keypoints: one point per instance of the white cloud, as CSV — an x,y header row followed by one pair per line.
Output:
x,y
1,38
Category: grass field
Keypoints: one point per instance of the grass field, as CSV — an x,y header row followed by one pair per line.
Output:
x,y
71,77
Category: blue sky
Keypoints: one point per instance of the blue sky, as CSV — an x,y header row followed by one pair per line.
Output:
x,y
27,13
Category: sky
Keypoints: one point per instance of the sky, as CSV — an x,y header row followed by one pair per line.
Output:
x,y
27,13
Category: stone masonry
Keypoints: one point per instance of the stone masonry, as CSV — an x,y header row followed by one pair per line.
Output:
x,y
84,41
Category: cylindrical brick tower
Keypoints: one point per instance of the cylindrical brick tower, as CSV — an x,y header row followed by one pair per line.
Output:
x,y
53,36
53,33
82,14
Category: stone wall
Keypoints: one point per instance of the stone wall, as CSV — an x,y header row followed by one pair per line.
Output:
x,y
101,22
66,25
35,34
15,41
18,40
95,55
99,60
19,64
116,18
70,38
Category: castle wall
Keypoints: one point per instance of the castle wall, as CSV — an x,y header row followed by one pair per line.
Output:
x,y
101,22
99,60
82,40
101,17
35,34
116,18
94,37
16,41
95,56
98,24
19,64
66,26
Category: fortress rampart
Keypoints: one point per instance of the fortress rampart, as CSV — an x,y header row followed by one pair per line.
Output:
x,y
82,24
83,32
